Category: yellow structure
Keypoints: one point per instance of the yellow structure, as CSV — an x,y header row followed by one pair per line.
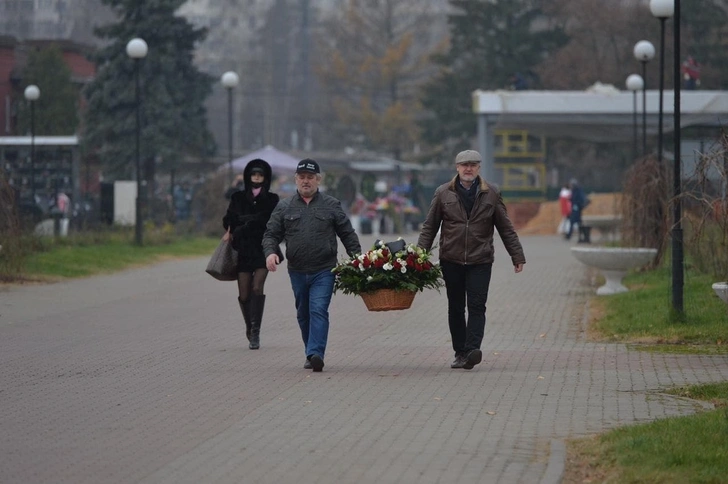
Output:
x,y
519,165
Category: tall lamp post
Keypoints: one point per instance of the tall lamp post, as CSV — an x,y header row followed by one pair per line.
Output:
x,y
634,83
230,81
644,52
137,50
662,10
32,93
678,280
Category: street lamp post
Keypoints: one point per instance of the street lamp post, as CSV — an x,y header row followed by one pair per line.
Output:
x,y
32,93
644,52
230,81
678,280
634,83
662,10
137,50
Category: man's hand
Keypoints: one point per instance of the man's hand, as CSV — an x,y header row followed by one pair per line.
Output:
x,y
518,268
271,262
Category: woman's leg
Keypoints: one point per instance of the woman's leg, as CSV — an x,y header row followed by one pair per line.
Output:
x,y
259,277
244,283
257,300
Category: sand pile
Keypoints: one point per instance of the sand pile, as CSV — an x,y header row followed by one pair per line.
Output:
x,y
547,219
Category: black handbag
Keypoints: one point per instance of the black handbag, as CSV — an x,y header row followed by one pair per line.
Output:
x,y
223,264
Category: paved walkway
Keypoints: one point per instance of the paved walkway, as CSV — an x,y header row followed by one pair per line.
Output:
x,y
145,377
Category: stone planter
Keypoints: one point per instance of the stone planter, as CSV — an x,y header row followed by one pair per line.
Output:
x,y
614,263
721,289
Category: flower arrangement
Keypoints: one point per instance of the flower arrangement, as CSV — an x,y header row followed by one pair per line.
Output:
x,y
395,265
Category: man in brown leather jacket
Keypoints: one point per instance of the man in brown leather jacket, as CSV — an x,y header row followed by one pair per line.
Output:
x,y
466,211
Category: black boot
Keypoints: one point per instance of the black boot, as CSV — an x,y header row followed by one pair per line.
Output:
x,y
245,309
257,303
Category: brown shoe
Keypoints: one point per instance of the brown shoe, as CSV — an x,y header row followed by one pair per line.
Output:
x,y
472,358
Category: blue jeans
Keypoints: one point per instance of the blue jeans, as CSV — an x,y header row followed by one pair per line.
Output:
x,y
313,293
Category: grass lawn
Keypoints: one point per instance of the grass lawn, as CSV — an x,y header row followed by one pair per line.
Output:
x,y
644,316
80,260
691,449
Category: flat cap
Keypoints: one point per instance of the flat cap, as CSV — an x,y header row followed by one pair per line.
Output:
x,y
468,156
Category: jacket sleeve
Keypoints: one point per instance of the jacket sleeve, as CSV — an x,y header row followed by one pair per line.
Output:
x,y
346,232
507,233
432,222
274,231
230,218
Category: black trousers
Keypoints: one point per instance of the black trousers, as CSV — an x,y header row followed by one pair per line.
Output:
x,y
466,284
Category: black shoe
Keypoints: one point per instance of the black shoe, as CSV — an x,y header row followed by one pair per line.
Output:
x,y
458,362
317,363
472,358
254,340
307,365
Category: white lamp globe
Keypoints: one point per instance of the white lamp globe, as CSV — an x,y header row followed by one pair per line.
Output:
x,y
32,93
662,8
230,79
635,82
644,51
137,48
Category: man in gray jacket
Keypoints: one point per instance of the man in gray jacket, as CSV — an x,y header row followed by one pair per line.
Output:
x,y
466,211
309,223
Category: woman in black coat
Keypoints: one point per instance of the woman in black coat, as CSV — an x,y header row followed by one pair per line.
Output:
x,y
245,221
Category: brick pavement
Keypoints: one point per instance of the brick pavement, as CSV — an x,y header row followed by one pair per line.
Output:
x,y
144,377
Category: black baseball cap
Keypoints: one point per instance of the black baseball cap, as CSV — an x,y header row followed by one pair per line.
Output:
x,y
308,166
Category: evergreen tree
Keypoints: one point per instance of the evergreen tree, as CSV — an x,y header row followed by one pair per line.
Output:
x,y
491,42
173,90
56,111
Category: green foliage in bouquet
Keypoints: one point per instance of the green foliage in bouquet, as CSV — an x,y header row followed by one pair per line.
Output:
x,y
407,269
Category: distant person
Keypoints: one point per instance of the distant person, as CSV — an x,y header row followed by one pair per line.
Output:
x,y
578,204
309,222
237,185
248,213
518,82
182,197
466,211
691,73
565,207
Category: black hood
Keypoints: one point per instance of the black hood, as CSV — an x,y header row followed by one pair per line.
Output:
x,y
266,171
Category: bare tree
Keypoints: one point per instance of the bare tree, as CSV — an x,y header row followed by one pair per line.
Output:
x,y
601,43
373,56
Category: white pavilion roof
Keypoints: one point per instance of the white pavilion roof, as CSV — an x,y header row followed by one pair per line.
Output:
x,y
602,115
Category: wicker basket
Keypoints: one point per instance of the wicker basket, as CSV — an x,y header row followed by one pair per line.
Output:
x,y
388,300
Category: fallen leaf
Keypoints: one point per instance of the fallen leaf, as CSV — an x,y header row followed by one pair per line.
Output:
x,y
540,378
490,412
